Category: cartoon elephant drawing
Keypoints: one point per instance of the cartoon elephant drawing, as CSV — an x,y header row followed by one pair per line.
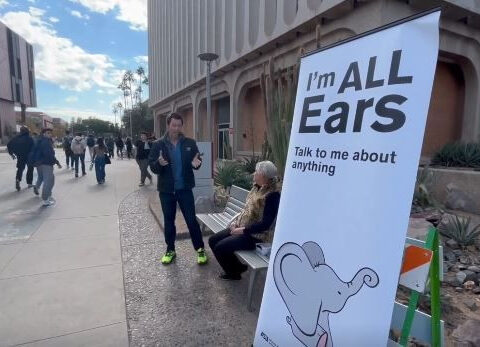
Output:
x,y
312,290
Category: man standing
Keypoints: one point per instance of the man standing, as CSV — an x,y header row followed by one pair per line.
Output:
x,y
19,148
78,148
110,143
143,150
119,143
67,147
172,158
44,157
90,144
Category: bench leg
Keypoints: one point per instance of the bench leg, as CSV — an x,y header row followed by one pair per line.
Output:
x,y
253,276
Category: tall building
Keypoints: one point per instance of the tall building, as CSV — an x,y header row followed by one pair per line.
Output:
x,y
17,79
246,34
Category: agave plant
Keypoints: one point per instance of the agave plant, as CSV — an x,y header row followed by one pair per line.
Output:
x,y
226,173
459,229
279,90
458,155
249,164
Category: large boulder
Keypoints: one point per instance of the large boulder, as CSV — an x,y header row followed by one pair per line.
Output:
x,y
458,199
467,334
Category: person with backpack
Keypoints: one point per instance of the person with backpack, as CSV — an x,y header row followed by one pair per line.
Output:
x,y
90,144
100,158
110,143
44,159
79,146
129,146
19,148
143,150
119,143
67,147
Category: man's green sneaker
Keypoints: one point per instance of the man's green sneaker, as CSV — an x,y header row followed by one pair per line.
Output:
x,y
201,256
168,257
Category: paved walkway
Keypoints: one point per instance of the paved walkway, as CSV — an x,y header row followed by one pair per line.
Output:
x,y
61,280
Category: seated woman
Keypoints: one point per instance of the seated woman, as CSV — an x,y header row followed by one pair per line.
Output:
x,y
251,226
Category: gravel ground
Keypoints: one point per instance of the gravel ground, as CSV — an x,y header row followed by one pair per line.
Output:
x,y
182,304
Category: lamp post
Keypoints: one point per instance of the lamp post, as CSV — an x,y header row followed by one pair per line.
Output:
x,y
208,57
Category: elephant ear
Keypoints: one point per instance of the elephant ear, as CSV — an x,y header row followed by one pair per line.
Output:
x,y
296,280
314,253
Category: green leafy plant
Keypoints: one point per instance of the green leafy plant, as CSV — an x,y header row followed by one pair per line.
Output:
x,y
249,164
279,90
226,173
459,229
244,181
458,155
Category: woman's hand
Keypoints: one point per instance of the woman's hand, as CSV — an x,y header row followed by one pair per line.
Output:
x,y
236,231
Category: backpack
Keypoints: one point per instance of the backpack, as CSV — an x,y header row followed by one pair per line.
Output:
x,y
67,143
90,141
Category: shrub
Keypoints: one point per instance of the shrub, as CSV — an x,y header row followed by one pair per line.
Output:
x,y
459,229
226,173
421,195
249,164
244,181
458,155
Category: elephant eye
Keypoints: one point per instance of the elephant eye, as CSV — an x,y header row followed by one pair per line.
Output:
x,y
339,293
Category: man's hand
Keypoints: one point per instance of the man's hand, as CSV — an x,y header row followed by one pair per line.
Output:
x,y
13,156
196,161
236,231
161,160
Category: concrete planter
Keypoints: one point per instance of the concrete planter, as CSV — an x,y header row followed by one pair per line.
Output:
x,y
456,189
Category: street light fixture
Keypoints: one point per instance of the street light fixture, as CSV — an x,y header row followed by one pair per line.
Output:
x,y
209,57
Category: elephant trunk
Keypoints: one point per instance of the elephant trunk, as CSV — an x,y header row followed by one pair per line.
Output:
x,y
365,275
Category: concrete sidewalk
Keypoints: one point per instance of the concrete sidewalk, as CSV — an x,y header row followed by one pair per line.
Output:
x,y
61,279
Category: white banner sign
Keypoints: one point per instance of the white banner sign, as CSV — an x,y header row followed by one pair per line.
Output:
x,y
354,149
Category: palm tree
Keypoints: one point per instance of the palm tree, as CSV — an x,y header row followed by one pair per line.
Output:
x,y
141,77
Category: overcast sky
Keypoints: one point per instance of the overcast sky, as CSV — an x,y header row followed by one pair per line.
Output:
x,y
81,48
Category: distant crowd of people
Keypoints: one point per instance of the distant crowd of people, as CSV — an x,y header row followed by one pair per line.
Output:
x,y
37,151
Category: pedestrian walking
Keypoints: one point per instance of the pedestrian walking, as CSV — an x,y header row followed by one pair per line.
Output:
x,y
173,159
67,148
19,148
119,143
100,157
90,145
44,159
79,146
143,150
129,145
110,143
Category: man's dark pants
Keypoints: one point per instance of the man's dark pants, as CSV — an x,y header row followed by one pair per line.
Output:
x,y
187,206
21,163
69,157
76,158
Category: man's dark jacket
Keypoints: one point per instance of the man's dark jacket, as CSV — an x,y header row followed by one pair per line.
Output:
x,y
20,145
165,175
46,153
142,153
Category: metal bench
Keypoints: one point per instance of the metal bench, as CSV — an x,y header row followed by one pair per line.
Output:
x,y
217,222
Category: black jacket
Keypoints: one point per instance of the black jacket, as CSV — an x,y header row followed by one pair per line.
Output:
x,y
142,153
165,174
46,153
20,145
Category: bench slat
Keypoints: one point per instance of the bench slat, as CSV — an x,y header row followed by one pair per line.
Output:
x,y
252,259
238,193
230,212
218,220
238,203
232,206
210,223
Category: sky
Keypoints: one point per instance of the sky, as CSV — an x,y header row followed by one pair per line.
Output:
x,y
81,50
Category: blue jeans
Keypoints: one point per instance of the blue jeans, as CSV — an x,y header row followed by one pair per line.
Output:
x,y
100,168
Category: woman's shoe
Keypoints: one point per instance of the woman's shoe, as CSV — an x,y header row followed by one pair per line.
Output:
x,y
228,277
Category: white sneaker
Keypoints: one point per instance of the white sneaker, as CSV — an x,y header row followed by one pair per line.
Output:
x,y
49,202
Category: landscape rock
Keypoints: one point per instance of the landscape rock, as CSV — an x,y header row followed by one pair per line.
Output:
x,y
474,268
472,248
448,255
469,285
471,276
471,304
468,333
464,260
459,290
451,279
452,244
461,276
461,267
476,290
457,199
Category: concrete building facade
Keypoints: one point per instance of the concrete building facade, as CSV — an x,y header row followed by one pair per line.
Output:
x,y
246,34
17,79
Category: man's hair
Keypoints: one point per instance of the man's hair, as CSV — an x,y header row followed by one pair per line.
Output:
x,y
67,132
174,115
78,134
144,133
24,130
44,130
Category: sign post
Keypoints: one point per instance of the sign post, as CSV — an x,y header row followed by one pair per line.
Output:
x,y
357,132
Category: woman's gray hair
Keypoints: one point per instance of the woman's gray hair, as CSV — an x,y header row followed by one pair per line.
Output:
x,y
267,169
